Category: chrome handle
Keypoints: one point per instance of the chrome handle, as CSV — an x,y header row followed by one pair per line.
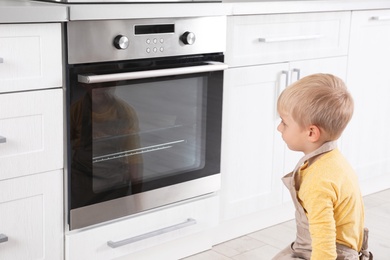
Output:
x,y
298,71
380,18
3,238
2,139
130,240
212,66
292,38
280,87
1,60
285,72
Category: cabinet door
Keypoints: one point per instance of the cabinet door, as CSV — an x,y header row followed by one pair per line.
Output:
x,y
367,139
30,56
31,217
31,131
250,172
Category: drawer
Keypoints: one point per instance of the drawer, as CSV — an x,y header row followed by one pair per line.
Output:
x,y
30,56
262,39
31,132
161,227
31,219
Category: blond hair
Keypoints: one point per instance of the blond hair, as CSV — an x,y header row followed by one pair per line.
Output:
x,y
321,100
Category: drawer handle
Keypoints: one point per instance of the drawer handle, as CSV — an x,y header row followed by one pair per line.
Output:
x,y
130,240
1,60
3,238
298,72
2,139
380,18
292,38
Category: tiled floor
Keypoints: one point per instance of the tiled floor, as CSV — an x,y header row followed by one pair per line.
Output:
x,y
264,244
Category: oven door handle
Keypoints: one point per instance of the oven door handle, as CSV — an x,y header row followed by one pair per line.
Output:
x,y
211,66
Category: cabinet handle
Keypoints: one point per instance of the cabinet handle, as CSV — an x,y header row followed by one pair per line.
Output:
x,y
130,240
380,18
292,38
3,238
298,71
286,72
1,60
280,88
2,139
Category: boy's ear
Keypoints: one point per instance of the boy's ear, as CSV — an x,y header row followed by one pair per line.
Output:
x,y
314,133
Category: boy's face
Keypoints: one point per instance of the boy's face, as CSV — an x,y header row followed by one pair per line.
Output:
x,y
293,135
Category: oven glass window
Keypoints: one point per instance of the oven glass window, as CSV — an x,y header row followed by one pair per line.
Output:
x,y
144,132
133,136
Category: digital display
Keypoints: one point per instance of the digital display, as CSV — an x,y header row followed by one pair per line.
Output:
x,y
154,29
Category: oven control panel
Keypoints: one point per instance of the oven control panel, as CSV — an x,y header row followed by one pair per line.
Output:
x,y
114,40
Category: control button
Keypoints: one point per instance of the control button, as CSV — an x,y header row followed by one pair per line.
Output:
x,y
121,42
188,38
148,41
161,49
148,50
154,40
161,40
155,49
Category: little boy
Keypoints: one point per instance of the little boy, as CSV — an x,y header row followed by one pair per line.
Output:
x,y
324,188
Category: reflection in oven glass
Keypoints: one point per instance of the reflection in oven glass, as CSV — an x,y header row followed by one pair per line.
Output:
x,y
126,136
103,127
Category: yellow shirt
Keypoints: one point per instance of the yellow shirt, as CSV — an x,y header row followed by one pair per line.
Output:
x,y
330,195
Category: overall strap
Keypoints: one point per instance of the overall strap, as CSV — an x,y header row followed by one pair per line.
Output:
x,y
326,147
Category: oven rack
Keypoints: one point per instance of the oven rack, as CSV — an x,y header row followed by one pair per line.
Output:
x,y
132,152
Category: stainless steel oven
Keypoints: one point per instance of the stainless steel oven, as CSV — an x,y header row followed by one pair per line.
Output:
x,y
144,105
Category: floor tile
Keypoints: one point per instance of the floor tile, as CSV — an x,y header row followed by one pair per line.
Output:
x,y
278,236
207,255
238,246
262,253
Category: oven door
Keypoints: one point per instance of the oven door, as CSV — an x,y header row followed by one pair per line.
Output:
x,y
143,134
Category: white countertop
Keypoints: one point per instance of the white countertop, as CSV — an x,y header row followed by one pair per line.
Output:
x,y
246,7
163,10
23,11
227,7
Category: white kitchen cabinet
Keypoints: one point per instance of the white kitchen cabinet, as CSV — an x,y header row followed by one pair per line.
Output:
x,y
264,39
250,176
31,217
265,54
31,126
31,142
30,56
366,140
171,232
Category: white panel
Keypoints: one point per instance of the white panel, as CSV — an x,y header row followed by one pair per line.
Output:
x,y
32,123
366,140
250,173
261,39
31,216
31,56
21,221
92,243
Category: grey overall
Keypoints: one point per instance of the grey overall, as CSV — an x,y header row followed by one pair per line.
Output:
x,y
301,247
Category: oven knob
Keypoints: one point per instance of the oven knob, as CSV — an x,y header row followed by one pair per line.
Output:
x,y
121,42
188,38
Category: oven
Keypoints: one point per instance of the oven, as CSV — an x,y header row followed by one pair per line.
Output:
x,y
144,111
